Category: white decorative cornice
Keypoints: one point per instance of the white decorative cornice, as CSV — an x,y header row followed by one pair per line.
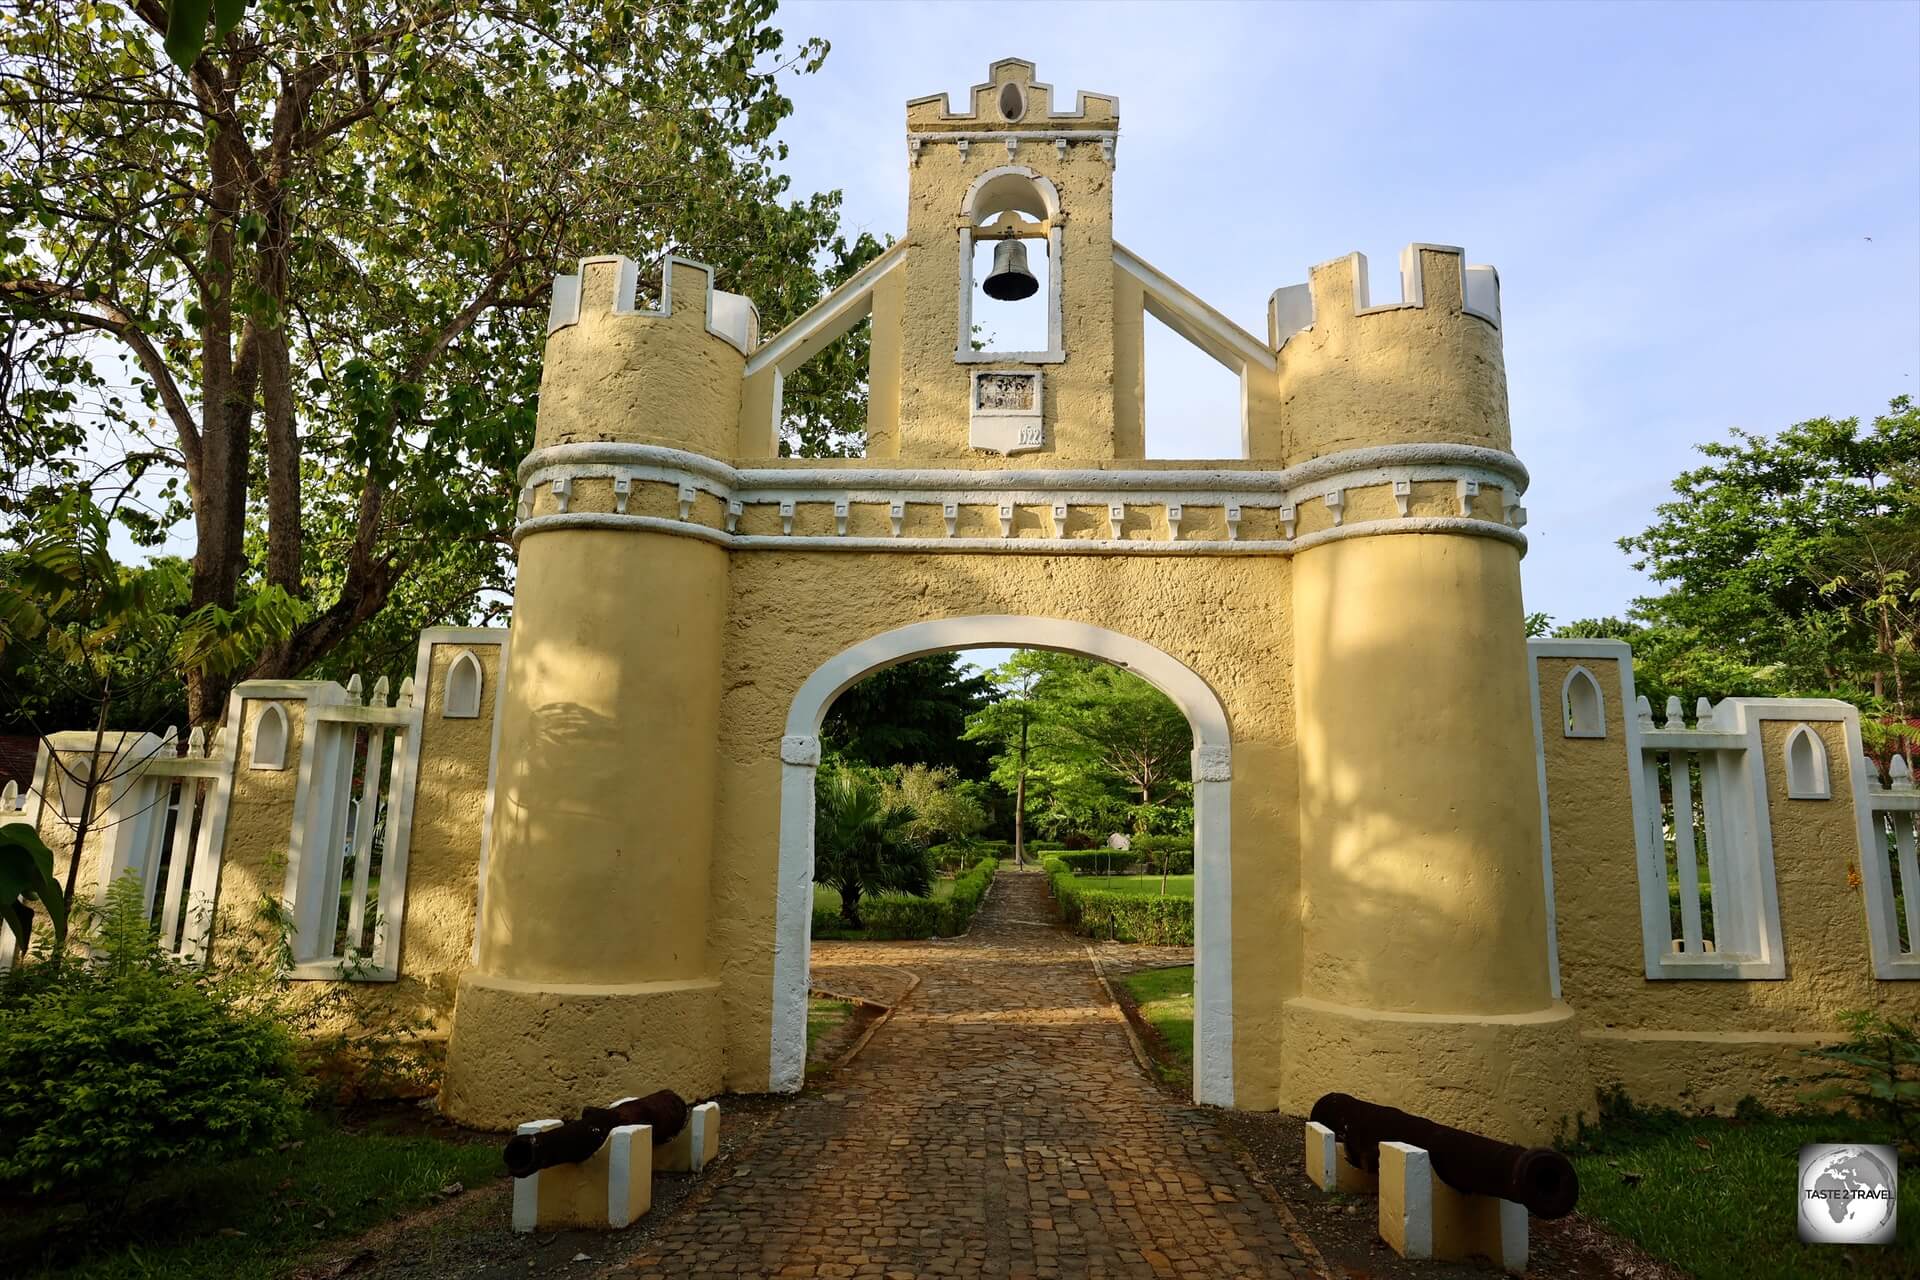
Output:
x,y
1328,481
1051,479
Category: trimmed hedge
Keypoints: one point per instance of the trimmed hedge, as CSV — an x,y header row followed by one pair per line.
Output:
x,y
908,915
1098,913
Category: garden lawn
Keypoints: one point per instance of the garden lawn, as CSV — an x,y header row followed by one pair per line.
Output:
x,y
248,1219
1717,1196
1142,886
1165,1000
824,1016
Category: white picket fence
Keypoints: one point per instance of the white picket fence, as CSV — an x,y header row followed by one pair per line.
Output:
x,y
165,821
1700,799
159,812
347,860
1890,867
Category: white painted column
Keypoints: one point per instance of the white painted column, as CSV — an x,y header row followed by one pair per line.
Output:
x,y
1213,924
793,913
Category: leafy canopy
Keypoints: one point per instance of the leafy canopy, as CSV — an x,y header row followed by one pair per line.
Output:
x,y
1792,567
294,294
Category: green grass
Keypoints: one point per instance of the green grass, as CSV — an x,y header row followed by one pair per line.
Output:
x,y
825,1016
1165,998
249,1219
1143,886
1717,1196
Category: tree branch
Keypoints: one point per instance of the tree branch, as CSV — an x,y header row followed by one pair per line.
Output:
x,y
112,319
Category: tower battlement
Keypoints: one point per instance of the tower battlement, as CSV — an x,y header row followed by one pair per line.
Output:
x,y
1428,368
1470,290
668,374
1010,99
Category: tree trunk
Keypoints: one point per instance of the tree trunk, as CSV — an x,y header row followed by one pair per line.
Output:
x,y
850,906
1020,802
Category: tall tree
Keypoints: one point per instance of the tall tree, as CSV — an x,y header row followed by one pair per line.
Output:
x,y
321,255
1792,567
1083,744
913,713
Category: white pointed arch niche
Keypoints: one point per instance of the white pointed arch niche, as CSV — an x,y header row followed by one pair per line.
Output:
x,y
464,683
1583,708
270,734
1808,777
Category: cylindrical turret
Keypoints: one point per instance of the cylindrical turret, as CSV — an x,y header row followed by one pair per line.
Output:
x,y
1426,981
591,978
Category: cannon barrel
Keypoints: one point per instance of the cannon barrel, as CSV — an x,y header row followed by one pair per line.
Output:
x,y
1538,1177
574,1141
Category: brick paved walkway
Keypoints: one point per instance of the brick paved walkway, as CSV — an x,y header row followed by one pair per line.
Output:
x,y
997,1126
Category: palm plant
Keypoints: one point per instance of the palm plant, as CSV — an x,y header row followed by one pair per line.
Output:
x,y
860,842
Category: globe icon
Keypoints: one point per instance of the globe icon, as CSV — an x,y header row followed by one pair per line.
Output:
x,y
1847,1194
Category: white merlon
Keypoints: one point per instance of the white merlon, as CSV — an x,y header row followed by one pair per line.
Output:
x,y
729,316
1290,309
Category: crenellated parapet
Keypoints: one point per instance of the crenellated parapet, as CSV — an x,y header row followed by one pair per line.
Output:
x,y
1425,369
665,375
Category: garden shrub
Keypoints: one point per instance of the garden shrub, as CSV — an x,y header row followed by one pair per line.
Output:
x,y
1124,917
900,915
1100,862
909,915
1173,862
1080,840
113,1069
969,891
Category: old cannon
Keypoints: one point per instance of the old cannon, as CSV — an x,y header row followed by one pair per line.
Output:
x,y
576,1140
1538,1177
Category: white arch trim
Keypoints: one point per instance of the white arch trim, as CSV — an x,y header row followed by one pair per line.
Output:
x,y
1212,819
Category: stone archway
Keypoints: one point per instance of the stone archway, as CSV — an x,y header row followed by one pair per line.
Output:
x,y
1212,821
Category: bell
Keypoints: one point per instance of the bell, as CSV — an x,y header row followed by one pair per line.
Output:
x,y
1010,281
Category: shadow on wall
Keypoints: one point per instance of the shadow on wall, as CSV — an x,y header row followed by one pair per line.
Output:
x,y
598,792
1401,742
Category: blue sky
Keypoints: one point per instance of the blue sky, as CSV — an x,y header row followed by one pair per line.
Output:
x,y
1679,199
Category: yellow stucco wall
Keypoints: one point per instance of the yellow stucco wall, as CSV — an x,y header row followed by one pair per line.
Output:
x,y
443,852
1703,1042
642,378
788,614
1427,373
593,931
253,864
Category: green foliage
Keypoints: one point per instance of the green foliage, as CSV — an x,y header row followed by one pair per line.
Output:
x,y
914,713
1102,912
1793,569
901,915
325,259
114,1070
1876,1072
27,882
1099,862
1092,747
861,843
943,807
79,631
944,913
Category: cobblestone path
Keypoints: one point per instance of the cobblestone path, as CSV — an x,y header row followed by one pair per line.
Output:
x,y
996,1126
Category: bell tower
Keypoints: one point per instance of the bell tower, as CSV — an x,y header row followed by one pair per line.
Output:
x,y
1012,170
